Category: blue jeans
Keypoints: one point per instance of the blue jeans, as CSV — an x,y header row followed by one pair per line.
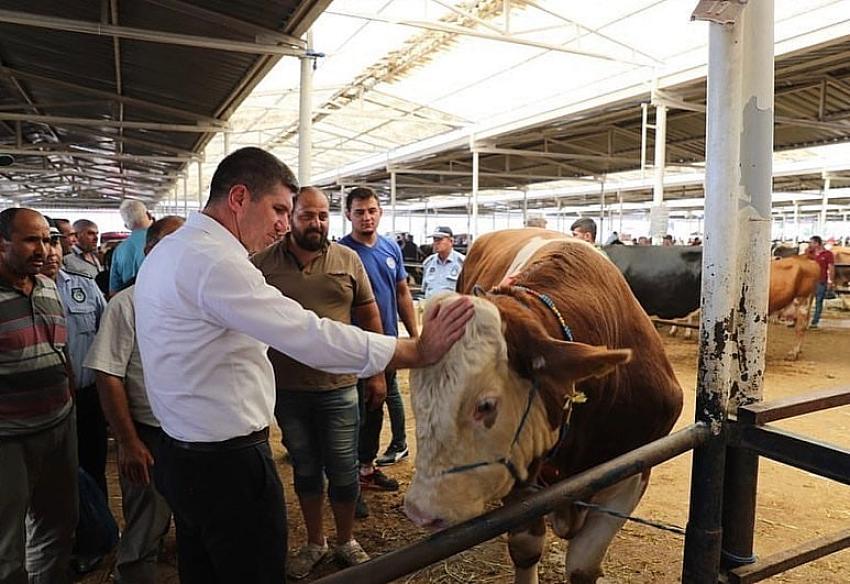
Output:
x,y
820,294
320,432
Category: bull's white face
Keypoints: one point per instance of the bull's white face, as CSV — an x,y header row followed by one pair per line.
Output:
x,y
468,408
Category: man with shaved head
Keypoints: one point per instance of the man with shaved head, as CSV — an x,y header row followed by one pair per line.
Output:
x,y
83,258
318,412
38,434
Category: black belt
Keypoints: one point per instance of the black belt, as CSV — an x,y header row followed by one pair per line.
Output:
x,y
237,443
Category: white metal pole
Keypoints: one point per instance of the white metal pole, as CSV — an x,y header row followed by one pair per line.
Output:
x,y
474,230
720,291
658,214
200,185
393,199
185,196
823,205
796,222
756,163
305,117
226,143
342,208
620,200
601,236
524,207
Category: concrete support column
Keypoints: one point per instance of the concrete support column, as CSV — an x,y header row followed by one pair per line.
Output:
x,y
305,117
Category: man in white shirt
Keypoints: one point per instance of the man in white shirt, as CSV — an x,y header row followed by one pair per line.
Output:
x,y
204,319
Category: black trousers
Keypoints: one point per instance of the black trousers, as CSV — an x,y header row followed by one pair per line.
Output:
x,y
371,421
91,436
229,513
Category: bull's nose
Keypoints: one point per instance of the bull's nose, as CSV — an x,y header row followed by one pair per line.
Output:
x,y
421,519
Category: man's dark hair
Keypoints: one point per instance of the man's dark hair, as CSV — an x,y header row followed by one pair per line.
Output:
x,y
154,233
7,220
307,189
253,167
361,194
585,224
817,239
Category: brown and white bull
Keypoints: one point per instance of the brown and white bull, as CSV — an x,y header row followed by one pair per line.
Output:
x,y
489,415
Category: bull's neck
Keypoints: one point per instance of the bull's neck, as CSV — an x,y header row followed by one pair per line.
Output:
x,y
536,439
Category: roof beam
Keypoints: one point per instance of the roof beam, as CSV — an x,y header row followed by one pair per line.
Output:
x,y
442,27
135,102
196,128
87,154
553,155
147,35
262,33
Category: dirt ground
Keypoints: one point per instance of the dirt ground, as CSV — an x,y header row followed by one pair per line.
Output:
x,y
793,506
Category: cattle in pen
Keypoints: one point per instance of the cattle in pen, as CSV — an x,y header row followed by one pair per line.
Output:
x,y
559,371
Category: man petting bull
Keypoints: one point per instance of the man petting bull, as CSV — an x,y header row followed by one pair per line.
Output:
x,y
204,319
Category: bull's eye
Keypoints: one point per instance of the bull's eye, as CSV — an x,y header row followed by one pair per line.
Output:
x,y
486,406
486,411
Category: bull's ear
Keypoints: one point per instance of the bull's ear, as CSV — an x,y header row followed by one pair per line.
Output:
x,y
534,354
577,361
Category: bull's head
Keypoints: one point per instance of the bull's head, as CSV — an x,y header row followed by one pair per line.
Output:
x,y
477,428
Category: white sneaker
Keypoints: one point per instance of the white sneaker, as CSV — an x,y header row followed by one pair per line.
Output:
x,y
350,554
304,560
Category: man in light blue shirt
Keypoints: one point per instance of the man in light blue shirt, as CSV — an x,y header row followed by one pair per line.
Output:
x,y
441,269
128,256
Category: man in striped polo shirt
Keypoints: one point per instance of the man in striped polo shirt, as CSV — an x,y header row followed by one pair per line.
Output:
x,y
38,438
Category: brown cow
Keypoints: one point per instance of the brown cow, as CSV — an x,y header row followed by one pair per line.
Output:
x,y
489,414
792,285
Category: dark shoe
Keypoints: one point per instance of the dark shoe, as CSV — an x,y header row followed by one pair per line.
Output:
x,y
393,455
361,511
85,564
378,481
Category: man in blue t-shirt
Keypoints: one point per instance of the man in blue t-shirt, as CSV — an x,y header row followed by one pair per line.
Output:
x,y
385,267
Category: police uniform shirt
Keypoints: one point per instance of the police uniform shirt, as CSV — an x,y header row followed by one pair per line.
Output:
x,y
83,304
441,275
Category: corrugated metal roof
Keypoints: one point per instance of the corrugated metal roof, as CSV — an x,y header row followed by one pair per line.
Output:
x,y
92,118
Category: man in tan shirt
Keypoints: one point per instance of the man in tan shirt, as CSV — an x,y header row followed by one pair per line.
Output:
x,y
316,411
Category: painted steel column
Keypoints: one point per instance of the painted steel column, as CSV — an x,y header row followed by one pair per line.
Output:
x,y
305,117
342,207
796,222
200,185
620,200
185,196
823,205
393,199
719,300
658,214
600,238
524,207
756,149
474,230
226,143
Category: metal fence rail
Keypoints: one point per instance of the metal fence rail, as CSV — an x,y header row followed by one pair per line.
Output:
x,y
460,537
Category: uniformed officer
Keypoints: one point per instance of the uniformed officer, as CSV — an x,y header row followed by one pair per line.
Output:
x,y
442,268
83,304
